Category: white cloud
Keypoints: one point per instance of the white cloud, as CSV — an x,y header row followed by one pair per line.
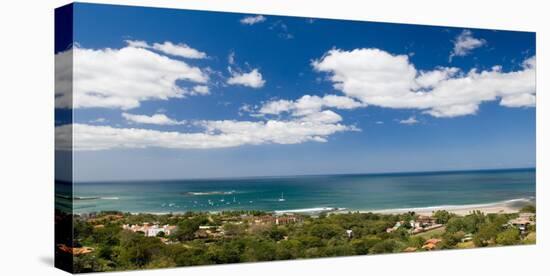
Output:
x,y
453,110
378,78
282,29
379,122
249,110
138,43
201,90
120,78
181,49
308,104
64,79
251,20
246,108
277,107
325,116
464,44
520,100
231,58
430,79
409,121
252,79
156,119
217,134
98,120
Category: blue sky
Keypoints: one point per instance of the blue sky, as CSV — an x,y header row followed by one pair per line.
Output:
x,y
163,93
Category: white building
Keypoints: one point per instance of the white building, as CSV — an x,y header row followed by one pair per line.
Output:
x,y
150,230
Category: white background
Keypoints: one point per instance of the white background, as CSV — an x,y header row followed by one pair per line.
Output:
x,y
26,136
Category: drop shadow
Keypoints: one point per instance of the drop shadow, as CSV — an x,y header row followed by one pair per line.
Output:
x,y
46,260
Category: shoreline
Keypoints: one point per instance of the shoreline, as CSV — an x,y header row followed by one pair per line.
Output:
x,y
506,206
502,207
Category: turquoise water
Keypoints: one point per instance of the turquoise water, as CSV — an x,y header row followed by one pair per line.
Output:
x,y
353,192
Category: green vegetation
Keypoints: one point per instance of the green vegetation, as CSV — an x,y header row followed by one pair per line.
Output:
x,y
529,209
234,237
443,216
432,233
509,237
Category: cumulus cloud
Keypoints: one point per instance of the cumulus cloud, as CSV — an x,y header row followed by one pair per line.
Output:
x,y
376,77
325,116
464,43
430,79
121,78
156,119
200,90
409,121
251,20
64,79
138,43
181,49
520,100
308,104
252,79
216,134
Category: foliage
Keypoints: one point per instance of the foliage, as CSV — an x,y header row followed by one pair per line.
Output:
x,y
386,246
186,229
233,230
442,216
529,209
416,241
241,240
509,237
138,249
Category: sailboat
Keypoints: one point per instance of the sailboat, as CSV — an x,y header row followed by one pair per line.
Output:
x,y
282,198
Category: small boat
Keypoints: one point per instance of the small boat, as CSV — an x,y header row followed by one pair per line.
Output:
x,y
282,198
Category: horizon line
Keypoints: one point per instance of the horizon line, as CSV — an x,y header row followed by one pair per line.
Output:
x,y
307,175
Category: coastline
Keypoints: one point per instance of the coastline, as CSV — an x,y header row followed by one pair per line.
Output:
x,y
501,207
332,193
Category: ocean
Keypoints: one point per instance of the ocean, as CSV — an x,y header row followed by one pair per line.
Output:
x,y
308,193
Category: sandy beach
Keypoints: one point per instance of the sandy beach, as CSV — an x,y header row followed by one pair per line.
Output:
x,y
509,206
